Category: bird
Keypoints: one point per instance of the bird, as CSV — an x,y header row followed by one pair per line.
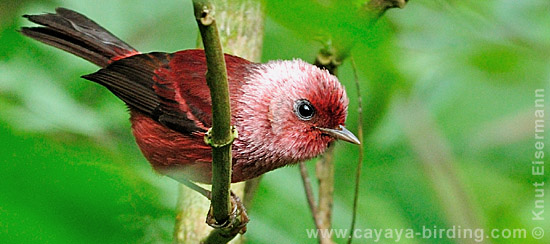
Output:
x,y
285,111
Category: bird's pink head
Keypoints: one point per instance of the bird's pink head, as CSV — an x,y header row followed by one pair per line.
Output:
x,y
290,111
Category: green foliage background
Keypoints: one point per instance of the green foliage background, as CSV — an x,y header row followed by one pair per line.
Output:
x,y
71,173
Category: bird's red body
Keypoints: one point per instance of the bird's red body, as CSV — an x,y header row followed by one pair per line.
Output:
x,y
284,111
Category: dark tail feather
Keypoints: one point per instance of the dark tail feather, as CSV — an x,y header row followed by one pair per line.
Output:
x,y
75,33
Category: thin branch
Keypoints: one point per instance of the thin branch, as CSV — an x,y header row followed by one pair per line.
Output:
x,y
325,175
309,193
240,27
220,136
206,193
360,159
217,236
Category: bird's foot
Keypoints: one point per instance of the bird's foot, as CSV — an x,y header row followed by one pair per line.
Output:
x,y
236,223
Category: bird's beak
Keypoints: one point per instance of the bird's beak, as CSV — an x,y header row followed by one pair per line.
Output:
x,y
341,133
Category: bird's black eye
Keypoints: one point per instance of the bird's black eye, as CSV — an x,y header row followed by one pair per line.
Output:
x,y
303,109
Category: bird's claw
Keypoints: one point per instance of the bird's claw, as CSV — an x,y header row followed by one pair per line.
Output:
x,y
236,223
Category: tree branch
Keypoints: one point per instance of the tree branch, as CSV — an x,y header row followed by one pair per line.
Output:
x,y
240,27
309,194
360,159
325,176
221,135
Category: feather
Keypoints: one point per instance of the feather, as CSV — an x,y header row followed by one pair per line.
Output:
x,y
75,33
169,88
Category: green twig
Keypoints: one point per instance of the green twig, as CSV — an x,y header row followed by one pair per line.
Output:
x,y
221,135
240,28
360,159
309,194
325,175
